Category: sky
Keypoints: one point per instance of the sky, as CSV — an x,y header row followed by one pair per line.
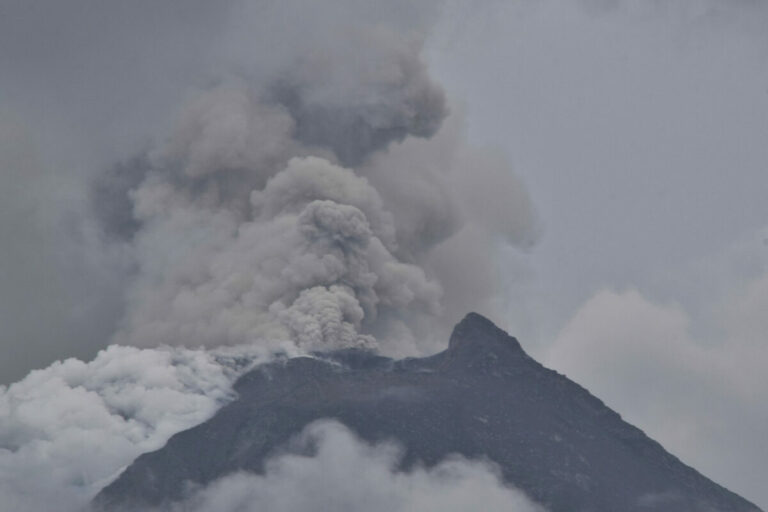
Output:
x,y
595,168
639,129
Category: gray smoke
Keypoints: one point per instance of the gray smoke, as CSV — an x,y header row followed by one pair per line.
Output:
x,y
313,263
155,129
299,198
310,192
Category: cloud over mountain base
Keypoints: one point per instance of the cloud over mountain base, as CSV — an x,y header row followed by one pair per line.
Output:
x,y
345,474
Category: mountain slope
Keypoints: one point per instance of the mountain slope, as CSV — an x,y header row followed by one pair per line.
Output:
x,y
482,398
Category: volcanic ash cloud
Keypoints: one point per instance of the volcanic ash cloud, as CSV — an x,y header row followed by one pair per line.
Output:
x,y
257,219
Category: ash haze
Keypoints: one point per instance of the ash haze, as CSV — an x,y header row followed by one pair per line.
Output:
x,y
301,175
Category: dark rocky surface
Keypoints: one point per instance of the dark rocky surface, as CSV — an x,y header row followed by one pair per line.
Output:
x,y
483,397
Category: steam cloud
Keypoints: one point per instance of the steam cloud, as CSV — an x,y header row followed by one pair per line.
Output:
x,y
68,430
344,473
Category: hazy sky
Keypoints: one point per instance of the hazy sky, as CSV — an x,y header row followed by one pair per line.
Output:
x,y
640,129
637,128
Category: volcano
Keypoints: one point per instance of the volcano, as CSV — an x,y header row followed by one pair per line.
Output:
x,y
482,398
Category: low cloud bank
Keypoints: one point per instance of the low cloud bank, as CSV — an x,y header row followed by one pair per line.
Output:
x,y
67,430
345,474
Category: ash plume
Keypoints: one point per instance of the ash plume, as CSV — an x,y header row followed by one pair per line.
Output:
x,y
301,199
312,192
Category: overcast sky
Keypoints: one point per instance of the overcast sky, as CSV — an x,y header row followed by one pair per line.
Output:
x,y
639,129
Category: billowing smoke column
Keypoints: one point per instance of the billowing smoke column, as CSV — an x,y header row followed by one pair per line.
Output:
x,y
298,202
311,197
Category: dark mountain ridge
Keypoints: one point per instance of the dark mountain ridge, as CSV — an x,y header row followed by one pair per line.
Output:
x,y
483,397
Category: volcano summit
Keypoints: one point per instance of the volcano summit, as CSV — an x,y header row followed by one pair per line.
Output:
x,y
483,398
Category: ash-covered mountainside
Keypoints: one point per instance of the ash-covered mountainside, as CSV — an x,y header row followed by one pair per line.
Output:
x,y
483,397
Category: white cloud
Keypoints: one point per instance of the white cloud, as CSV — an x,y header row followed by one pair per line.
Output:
x,y
345,474
67,430
703,400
